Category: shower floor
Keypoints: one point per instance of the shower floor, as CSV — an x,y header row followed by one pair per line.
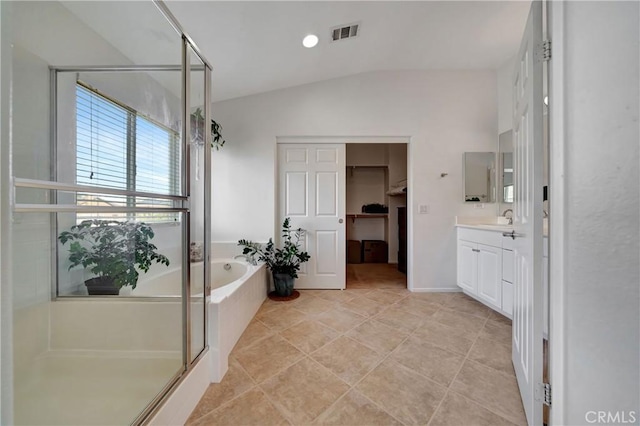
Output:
x,y
96,388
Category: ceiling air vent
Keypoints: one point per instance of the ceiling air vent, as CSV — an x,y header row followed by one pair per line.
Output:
x,y
344,31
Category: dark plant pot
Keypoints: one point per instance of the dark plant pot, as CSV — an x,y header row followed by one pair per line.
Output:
x,y
283,284
101,286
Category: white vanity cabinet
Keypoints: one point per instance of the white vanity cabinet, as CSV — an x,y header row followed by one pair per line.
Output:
x,y
486,269
480,265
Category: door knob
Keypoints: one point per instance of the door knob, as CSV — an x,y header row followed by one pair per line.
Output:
x,y
340,220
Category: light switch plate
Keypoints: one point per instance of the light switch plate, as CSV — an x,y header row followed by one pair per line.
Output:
x,y
423,209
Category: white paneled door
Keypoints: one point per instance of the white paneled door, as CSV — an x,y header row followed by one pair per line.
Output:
x,y
527,251
311,186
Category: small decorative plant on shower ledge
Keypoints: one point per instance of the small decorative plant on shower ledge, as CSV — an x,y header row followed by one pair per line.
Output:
x,y
113,251
284,263
197,122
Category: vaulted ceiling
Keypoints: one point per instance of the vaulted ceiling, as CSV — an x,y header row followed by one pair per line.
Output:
x,y
256,46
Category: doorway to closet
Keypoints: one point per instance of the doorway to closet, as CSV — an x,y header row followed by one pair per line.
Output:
x,y
376,225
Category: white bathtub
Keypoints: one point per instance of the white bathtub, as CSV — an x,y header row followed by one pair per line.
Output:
x,y
237,292
169,283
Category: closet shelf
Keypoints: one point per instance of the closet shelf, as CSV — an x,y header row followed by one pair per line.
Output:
x,y
354,216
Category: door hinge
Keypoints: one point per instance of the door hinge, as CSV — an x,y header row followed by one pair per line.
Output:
x,y
546,50
544,393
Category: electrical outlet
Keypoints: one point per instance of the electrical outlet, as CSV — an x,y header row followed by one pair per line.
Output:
x,y
479,206
423,209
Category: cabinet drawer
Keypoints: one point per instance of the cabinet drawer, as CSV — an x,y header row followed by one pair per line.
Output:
x,y
489,238
507,265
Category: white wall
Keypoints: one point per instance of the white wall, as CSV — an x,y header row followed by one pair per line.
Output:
x,y
446,113
595,228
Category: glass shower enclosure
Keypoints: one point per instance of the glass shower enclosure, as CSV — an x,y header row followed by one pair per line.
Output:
x,y
105,227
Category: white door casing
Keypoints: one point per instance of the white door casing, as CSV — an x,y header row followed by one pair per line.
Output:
x,y
311,191
527,249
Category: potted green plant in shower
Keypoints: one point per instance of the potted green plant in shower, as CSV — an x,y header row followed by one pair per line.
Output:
x,y
113,251
284,263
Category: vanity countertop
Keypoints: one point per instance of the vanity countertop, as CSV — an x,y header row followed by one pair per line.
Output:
x,y
487,227
492,224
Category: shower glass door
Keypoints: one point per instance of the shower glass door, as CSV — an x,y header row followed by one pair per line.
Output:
x,y
104,290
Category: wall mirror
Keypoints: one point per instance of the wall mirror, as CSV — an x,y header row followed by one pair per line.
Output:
x,y
479,177
506,167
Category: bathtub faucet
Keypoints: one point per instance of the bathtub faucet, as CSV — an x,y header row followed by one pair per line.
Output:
x,y
249,259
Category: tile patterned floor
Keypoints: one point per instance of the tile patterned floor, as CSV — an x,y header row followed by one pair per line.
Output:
x,y
374,354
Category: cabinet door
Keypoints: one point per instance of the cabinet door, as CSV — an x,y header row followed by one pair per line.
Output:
x,y
467,266
490,275
507,298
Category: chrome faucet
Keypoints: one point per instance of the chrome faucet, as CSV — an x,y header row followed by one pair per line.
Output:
x,y
248,258
510,216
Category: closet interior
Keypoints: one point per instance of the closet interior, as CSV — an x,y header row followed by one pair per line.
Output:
x,y
376,195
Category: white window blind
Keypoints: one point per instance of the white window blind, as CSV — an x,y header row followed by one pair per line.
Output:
x,y
118,148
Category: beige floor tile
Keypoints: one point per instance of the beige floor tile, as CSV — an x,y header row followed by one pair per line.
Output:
x,y
457,410
386,297
495,391
400,319
467,305
431,361
417,307
449,338
358,292
408,397
492,354
498,317
471,324
281,318
378,336
252,408
363,306
354,409
497,331
407,387
234,383
340,320
268,357
430,297
313,305
255,332
303,391
347,359
309,335
337,295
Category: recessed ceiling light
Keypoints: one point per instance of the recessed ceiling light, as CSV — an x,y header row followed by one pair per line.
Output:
x,y
310,41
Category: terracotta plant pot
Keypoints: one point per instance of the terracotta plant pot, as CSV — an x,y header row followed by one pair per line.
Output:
x,y
283,284
101,286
